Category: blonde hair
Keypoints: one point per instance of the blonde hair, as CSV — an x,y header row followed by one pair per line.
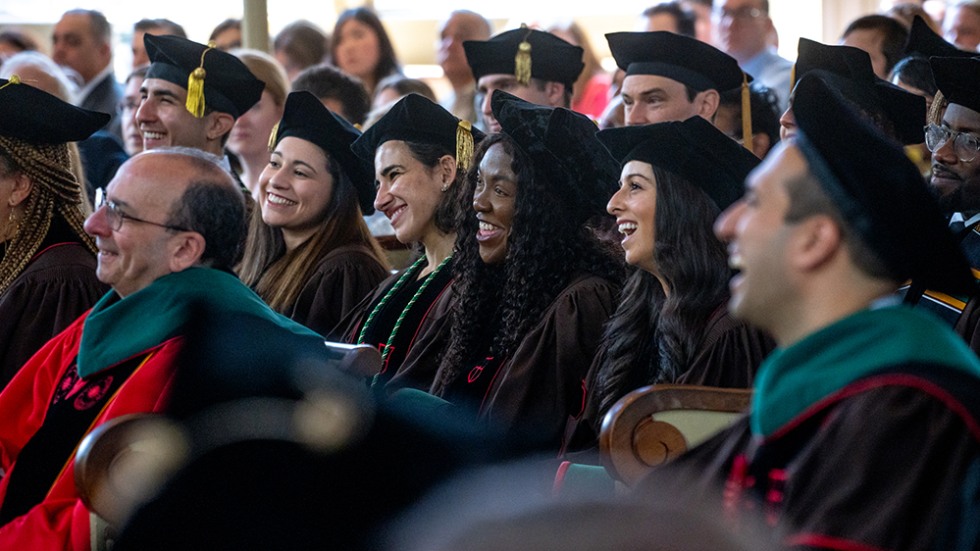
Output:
x,y
267,69
578,37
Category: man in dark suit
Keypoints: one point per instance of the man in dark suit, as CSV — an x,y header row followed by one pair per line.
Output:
x,y
82,42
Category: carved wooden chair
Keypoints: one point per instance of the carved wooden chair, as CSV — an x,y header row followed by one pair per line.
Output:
x,y
652,425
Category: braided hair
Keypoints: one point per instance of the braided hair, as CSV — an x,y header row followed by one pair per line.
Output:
x,y
56,192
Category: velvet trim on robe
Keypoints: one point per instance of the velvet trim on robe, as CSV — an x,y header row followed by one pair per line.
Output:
x,y
61,521
795,378
118,328
870,440
889,462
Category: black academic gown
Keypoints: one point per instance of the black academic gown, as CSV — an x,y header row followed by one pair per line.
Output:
x,y
342,278
422,335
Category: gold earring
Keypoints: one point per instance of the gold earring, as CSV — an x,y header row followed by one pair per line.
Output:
x,y
13,222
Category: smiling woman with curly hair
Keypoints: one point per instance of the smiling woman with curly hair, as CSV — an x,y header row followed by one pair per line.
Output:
x,y
533,283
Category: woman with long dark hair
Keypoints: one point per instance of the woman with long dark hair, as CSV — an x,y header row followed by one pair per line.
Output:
x,y
534,284
420,154
672,324
360,47
309,254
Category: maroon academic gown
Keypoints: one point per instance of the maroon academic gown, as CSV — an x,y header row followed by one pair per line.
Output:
x,y
341,280
532,393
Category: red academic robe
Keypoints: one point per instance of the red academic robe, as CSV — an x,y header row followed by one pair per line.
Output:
x,y
61,520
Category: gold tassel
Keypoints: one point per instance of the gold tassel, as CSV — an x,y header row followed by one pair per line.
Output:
x,y
195,86
464,144
272,137
939,104
746,114
14,79
522,61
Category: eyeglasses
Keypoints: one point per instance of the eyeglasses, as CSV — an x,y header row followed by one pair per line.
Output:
x,y
744,13
115,217
965,144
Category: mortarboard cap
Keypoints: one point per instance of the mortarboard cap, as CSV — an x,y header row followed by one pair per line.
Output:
x,y
218,78
849,70
693,149
924,42
874,184
677,57
417,119
563,148
35,116
687,60
526,53
958,79
305,117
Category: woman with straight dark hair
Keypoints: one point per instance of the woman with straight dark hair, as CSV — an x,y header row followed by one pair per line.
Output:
x,y
672,323
360,46
420,154
534,284
309,254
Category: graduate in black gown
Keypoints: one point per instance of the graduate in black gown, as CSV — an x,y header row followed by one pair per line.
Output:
x,y
863,431
420,154
671,323
534,285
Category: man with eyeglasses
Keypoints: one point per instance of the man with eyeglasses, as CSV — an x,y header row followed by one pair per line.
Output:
x,y
167,233
742,30
955,145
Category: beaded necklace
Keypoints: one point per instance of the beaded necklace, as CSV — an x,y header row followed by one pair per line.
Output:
x,y
401,317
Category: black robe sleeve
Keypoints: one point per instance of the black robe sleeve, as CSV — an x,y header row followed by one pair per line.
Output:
x,y
341,280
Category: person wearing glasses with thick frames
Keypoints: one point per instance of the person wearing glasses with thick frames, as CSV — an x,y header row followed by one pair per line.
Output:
x,y
954,140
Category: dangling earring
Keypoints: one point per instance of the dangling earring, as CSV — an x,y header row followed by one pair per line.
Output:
x,y
13,221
